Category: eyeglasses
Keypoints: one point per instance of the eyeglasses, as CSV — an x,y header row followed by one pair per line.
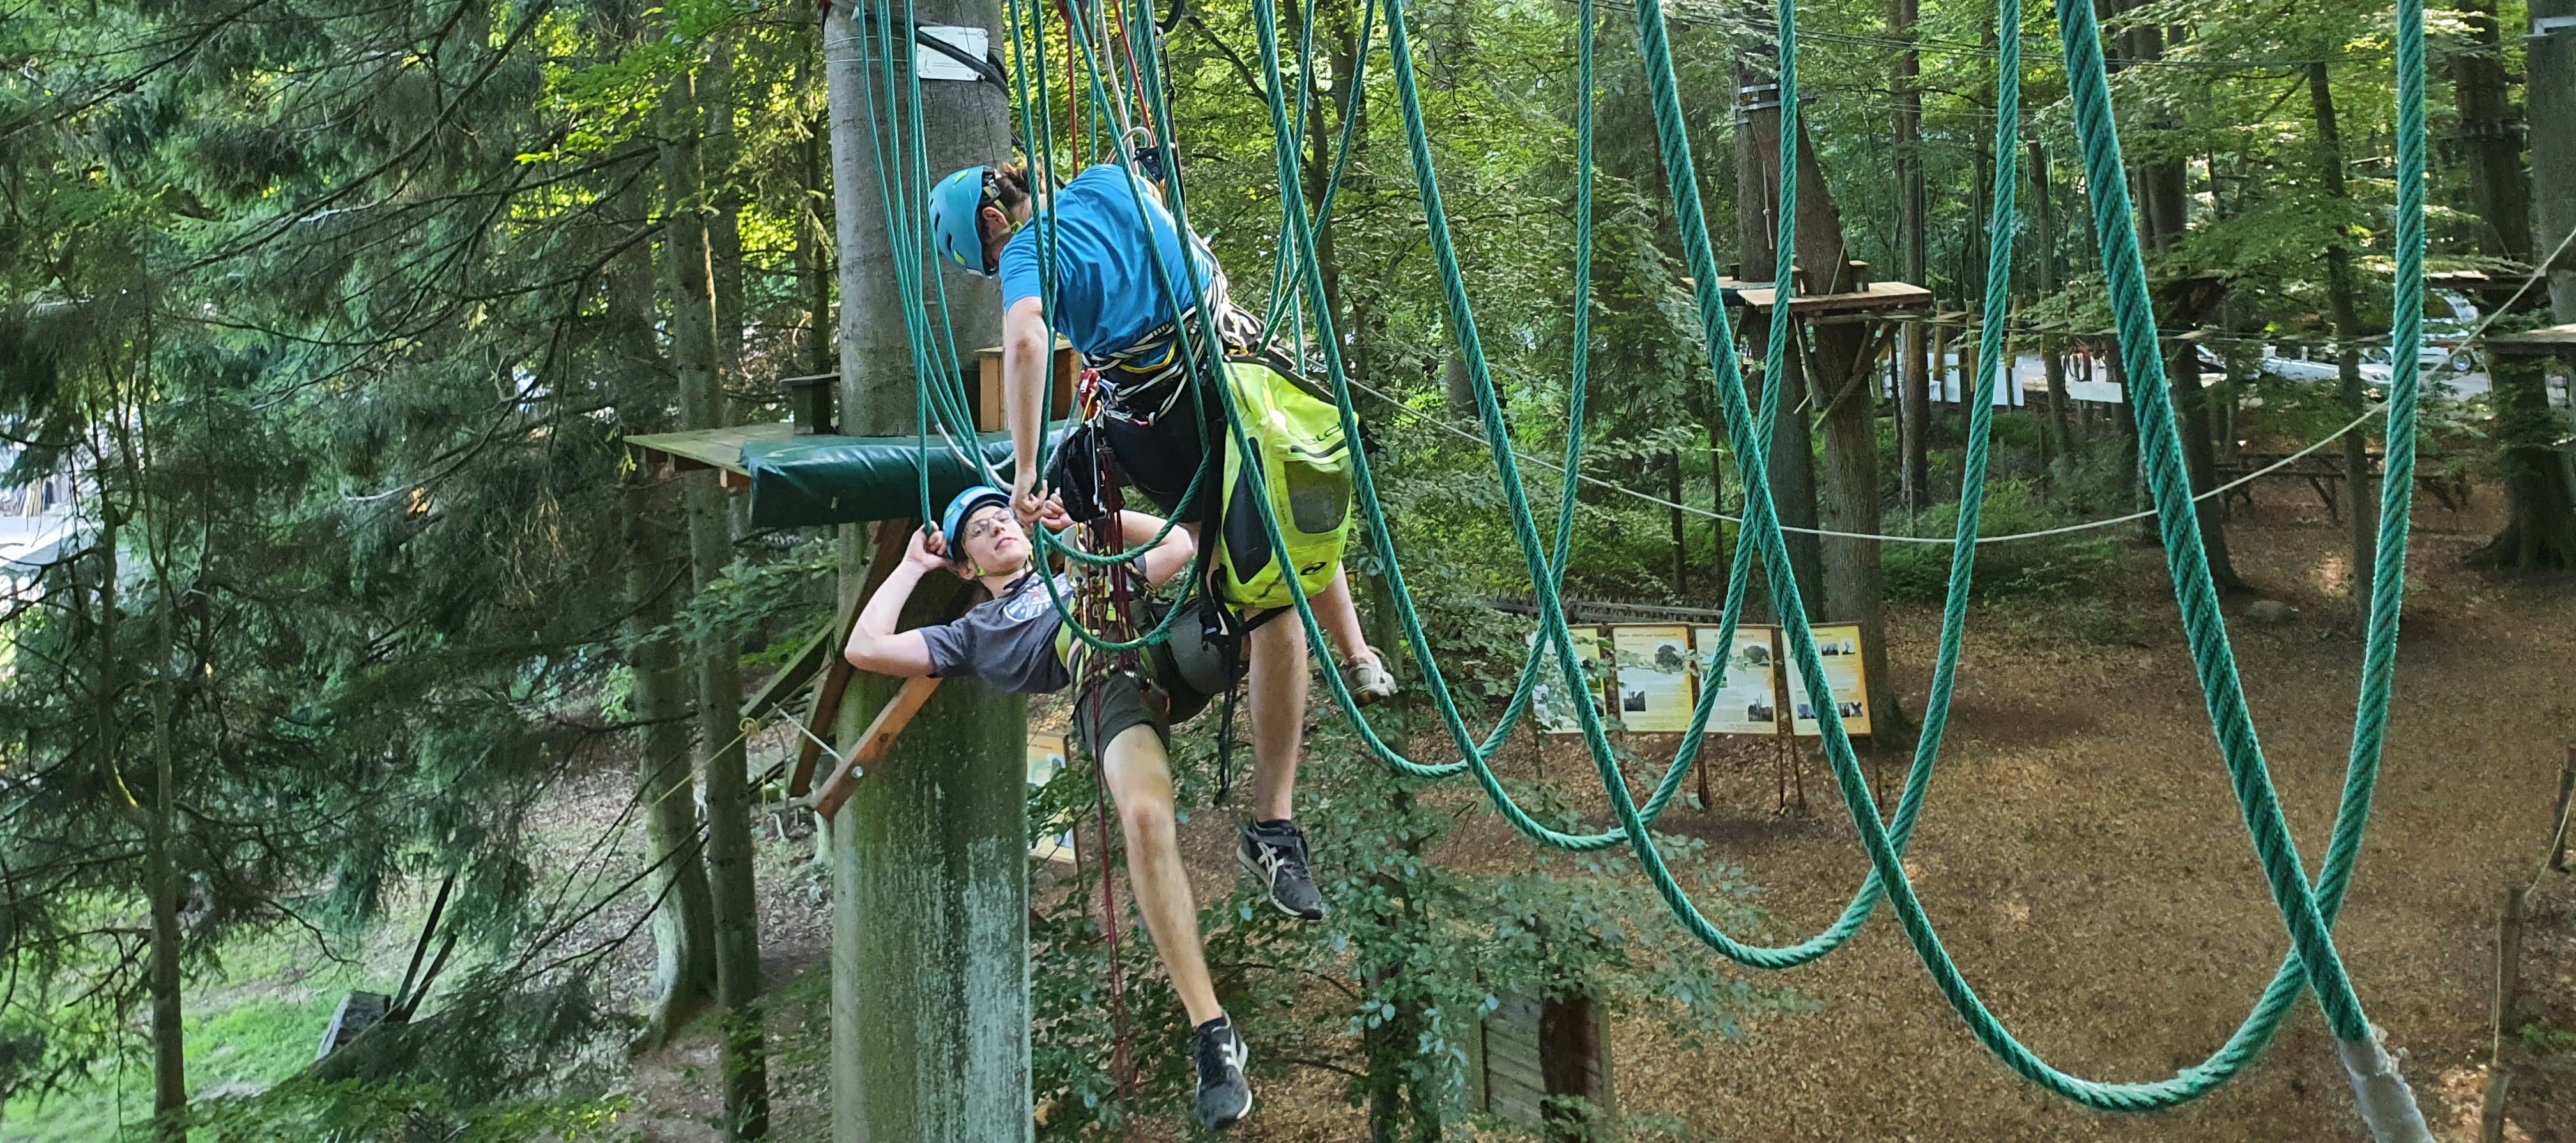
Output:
x,y
983,526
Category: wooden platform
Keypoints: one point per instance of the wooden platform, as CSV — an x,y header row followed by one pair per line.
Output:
x,y
1879,296
719,449
2555,341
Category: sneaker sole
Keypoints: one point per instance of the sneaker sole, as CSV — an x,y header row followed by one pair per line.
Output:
x,y
1240,1116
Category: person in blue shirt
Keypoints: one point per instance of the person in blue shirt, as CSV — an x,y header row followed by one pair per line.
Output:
x,y
1125,278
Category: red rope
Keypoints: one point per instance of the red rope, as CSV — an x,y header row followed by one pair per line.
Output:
x,y
1107,536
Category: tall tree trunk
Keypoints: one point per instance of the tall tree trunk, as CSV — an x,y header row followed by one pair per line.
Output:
x,y
2549,100
2360,491
1913,403
813,229
2541,528
1681,540
2052,351
719,671
2200,461
684,974
930,902
2482,92
2540,525
1835,379
724,222
1792,465
161,880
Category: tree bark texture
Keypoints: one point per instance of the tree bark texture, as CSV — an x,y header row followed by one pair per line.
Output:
x,y
1792,462
2549,99
2482,94
735,900
1913,402
930,1002
2540,527
2360,491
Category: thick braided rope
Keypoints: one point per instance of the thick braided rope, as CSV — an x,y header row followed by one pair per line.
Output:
x,y
2160,455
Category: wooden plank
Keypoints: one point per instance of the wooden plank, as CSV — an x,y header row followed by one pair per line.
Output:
x,y
1879,296
873,743
719,449
892,536
2555,340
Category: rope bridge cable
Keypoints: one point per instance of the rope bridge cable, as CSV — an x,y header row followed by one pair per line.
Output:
x,y
2306,911
2310,449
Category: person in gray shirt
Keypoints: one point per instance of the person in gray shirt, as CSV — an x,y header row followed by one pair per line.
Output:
x,y
1015,641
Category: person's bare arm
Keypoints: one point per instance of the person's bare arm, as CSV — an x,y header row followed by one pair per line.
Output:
x,y
874,643
1168,558
1028,353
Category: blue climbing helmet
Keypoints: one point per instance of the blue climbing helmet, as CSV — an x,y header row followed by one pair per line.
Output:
x,y
955,206
952,523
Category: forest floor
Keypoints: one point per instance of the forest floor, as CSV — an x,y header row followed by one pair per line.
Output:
x,y
2082,857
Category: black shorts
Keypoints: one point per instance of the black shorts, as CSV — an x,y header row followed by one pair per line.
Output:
x,y
1159,458
1115,704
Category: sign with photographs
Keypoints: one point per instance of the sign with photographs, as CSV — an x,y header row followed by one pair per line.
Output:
x,y
1555,714
1653,670
1749,702
1838,646
1657,671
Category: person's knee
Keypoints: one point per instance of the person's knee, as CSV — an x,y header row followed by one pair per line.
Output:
x,y
1148,824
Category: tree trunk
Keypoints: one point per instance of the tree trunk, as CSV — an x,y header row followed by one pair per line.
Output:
x,y
1792,464
1681,540
162,882
736,904
2540,528
930,1003
684,975
1914,412
1457,385
2052,352
2482,92
2549,100
1835,380
813,230
2191,420
2360,491
724,223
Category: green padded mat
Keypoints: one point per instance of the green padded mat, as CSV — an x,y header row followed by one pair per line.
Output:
x,y
809,481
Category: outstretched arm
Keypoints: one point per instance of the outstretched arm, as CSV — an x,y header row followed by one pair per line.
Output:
x,y
1028,354
874,643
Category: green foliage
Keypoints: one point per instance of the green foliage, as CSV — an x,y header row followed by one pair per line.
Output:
x,y
2051,566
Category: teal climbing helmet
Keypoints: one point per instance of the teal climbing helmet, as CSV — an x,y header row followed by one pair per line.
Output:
x,y
952,523
955,206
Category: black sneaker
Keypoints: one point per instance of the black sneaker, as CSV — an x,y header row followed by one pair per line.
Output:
x,y
1225,1097
1276,854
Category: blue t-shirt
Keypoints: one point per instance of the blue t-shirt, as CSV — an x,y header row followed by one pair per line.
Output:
x,y
1106,299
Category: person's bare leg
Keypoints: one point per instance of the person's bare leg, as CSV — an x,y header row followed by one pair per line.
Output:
x,y
1277,688
1340,618
1140,782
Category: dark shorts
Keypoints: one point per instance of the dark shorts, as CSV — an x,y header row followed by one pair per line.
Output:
x,y
1115,704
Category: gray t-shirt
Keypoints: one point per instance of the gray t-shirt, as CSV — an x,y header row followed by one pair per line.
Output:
x,y
1008,641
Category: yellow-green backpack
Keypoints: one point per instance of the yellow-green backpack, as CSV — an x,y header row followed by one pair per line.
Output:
x,y
1304,467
